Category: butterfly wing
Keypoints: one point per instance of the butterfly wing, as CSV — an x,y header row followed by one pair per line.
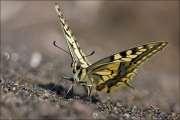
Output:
x,y
74,48
119,68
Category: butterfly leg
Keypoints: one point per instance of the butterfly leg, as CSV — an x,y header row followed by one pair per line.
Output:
x,y
69,89
72,90
87,86
70,79
63,77
89,90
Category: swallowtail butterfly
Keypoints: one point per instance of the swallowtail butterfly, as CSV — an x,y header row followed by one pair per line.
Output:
x,y
110,72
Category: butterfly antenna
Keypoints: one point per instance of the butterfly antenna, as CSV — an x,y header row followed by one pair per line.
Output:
x,y
61,48
88,55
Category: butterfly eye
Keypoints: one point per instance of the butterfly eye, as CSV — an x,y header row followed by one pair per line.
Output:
x,y
78,66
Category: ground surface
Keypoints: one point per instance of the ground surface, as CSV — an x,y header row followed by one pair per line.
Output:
x,y
23,99
31,65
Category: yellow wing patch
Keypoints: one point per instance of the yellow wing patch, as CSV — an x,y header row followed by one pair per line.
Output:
x,y
126,59
117,56
129,52
104,72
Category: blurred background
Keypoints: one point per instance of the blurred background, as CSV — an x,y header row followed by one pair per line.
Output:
x,y
28,30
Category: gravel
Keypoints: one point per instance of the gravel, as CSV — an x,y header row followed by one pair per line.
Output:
x,y
22,99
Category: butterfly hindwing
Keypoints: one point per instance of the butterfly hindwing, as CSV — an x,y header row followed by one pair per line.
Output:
x,y
119,68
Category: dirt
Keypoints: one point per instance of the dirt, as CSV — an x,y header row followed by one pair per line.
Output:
x,y
22,99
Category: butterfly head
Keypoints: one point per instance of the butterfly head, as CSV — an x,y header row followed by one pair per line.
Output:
x,y
77,66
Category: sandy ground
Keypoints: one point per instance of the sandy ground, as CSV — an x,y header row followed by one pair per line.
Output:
x,y
31,65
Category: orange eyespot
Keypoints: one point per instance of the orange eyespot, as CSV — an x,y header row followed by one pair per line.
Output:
x,y
100,87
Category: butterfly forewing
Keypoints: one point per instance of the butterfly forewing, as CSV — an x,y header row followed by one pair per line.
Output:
x,y
74,48
110,72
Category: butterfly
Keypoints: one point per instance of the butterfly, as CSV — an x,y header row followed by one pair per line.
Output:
x,y
110,72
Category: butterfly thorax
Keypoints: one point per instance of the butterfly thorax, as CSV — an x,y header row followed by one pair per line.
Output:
x,y
81,76
79,71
